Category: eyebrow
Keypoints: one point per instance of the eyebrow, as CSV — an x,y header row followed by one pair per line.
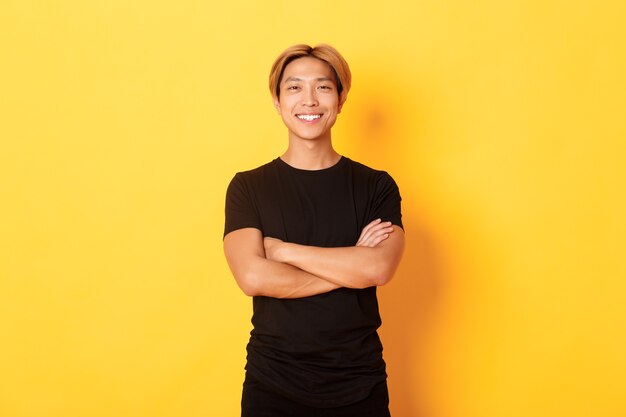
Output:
x,y
300,79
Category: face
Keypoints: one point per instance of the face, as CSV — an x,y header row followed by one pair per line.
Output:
x,y
309,101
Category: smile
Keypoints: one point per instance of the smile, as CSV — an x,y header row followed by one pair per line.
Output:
x,y
308,117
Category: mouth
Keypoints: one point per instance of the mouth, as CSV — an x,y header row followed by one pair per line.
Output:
x,y
308,117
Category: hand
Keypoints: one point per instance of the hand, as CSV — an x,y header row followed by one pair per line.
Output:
x,y
374,233
271,248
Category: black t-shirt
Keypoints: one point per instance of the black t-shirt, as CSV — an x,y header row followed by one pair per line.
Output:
x,y
321,350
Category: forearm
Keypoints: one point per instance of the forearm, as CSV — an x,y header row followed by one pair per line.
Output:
x,y
258,276
264,277
352,267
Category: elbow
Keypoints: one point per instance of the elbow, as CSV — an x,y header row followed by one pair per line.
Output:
x,y
383,269
381,275
374,274
247,281
381,280
248,290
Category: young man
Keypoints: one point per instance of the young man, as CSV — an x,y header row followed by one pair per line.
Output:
x,y
310,235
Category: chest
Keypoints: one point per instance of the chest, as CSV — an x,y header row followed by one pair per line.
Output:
x,y
318,210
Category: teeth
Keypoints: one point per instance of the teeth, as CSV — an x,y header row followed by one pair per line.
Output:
x,y
309,117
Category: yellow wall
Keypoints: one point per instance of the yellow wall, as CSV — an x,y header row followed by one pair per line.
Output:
x,y
121,123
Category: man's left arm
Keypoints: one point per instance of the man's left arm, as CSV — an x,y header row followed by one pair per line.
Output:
x,y
351,267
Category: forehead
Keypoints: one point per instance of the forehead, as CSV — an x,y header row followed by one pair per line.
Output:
x,y
308,68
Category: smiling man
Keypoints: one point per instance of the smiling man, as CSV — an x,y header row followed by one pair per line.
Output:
x,y
310,236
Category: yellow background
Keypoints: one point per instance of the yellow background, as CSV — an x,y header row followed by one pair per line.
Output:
x,y
122,122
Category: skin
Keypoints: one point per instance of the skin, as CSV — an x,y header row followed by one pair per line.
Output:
x,y
308,87
273,268
370,263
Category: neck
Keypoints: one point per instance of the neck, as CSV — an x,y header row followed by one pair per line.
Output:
x,y
310,154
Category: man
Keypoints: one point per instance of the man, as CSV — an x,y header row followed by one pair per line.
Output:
x,y
310,235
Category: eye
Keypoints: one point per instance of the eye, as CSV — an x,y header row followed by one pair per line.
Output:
x,y
326,87
292,87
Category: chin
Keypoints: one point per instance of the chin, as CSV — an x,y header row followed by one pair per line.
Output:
x,y
310,137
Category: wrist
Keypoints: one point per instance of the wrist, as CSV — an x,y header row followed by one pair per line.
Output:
x,y
282,252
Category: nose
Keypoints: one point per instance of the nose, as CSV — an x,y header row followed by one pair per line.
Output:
x,y
309,97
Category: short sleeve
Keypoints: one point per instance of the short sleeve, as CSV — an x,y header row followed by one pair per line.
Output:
x,y
387,201
240,210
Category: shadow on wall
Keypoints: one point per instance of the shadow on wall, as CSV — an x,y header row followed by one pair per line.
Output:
x,y
387,119
408,307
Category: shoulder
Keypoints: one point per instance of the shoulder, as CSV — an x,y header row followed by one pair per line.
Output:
x,y
371,175
254,175
258,171
247,185
245,192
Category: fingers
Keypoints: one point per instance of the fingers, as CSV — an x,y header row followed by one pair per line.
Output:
x,y
370,225
374,233
375,237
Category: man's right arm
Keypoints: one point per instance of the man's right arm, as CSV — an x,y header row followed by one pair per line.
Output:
x,y
258,276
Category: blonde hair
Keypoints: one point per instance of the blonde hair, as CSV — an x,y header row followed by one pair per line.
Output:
x,y
322,52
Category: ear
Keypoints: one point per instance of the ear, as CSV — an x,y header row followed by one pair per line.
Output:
x,y
277,105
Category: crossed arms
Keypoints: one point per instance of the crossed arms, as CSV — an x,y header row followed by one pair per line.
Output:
x,y
273,268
